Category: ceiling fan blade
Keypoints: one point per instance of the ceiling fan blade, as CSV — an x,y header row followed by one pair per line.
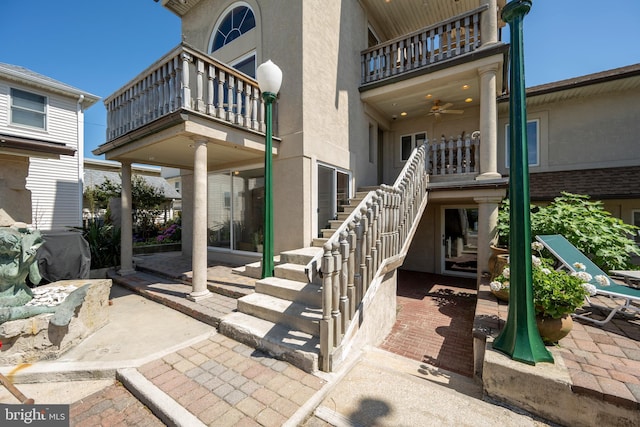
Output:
x,y
445,106
452,111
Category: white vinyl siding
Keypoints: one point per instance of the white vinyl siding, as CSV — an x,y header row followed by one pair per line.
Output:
x,y
55,185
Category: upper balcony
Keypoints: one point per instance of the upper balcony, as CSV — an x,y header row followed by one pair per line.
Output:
x,y
427,52
403,56
183,97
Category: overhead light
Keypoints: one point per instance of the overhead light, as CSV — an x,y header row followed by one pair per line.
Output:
x,y
404,113
428,96
468,100
465,87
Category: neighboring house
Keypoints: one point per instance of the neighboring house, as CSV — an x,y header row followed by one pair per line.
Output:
x,y
41,148
393,105
97,172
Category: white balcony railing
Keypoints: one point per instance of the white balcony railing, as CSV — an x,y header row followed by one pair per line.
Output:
x,y
454,156
185,79
445,40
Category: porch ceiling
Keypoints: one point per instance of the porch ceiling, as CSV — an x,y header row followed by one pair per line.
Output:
x,y
394,18
170,142
448,83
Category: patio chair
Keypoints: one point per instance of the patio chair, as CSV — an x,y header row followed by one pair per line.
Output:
x,y
623,296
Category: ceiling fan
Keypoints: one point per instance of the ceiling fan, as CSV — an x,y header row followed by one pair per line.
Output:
x,y
438,109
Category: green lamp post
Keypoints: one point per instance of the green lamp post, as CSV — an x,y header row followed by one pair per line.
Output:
x,y
269,78
520,338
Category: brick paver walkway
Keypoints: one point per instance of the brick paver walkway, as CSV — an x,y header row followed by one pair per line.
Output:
x,y
225,383
603,361
113,406
435,321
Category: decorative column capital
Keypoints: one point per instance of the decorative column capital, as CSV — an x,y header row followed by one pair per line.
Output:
x,y
488,69
515,9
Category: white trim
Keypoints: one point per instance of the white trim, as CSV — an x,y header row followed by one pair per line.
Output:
x,y
221,18
506,135
414,143
442,237
21,125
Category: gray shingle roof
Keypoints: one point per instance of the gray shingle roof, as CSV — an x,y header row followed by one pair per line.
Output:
x,y
600,184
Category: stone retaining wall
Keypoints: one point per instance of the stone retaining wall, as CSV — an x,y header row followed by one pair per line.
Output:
x,y
35,338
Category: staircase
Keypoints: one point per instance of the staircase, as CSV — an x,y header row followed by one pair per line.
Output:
x,y
304,313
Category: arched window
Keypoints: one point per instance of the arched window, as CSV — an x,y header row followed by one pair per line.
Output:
x,y
237,22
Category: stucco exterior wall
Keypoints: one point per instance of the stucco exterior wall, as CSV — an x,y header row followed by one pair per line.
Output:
x,y
320,117
582,133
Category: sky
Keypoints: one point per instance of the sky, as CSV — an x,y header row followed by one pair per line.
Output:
x,y
99,45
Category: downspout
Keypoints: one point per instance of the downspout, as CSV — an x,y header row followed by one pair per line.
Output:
x,y
80,139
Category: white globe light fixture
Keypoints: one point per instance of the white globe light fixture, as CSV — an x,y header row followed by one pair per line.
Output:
x,y
269,77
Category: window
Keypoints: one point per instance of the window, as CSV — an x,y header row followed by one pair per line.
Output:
x,y
532,143
28,109
233,40
409,142
237,22
247,66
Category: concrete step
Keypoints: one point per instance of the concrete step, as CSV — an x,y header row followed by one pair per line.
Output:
x,y
335,223
296,347
250,270
327,232
295,315
349,209
290,271
300,292
299,256
319,242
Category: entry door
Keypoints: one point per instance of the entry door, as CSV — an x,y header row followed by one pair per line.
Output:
x,y
460,240
333,192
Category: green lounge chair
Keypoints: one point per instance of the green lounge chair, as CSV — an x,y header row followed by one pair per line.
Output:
x,y
568,255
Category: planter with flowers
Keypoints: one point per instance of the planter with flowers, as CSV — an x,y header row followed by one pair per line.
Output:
x,y
556,294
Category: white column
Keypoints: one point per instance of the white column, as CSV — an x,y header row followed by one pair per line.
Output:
x,y
186,191
488,124
487,221
126,222
199,253
489,23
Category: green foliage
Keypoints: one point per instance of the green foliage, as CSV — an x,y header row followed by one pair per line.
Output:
x,y
586,224
146,202
104,244
555,292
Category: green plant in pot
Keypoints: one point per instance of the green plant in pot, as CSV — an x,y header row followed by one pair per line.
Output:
x,y
556,294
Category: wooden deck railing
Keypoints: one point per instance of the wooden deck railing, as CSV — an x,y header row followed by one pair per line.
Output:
x,y
190,80
377,232
445,40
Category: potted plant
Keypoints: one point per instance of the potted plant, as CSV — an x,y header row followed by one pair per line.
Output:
x,y
556,294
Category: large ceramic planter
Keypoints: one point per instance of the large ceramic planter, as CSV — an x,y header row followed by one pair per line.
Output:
x,y
553,330
502,294
495,251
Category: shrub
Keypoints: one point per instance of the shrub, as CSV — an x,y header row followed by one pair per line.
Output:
x,y
104,244
586,224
